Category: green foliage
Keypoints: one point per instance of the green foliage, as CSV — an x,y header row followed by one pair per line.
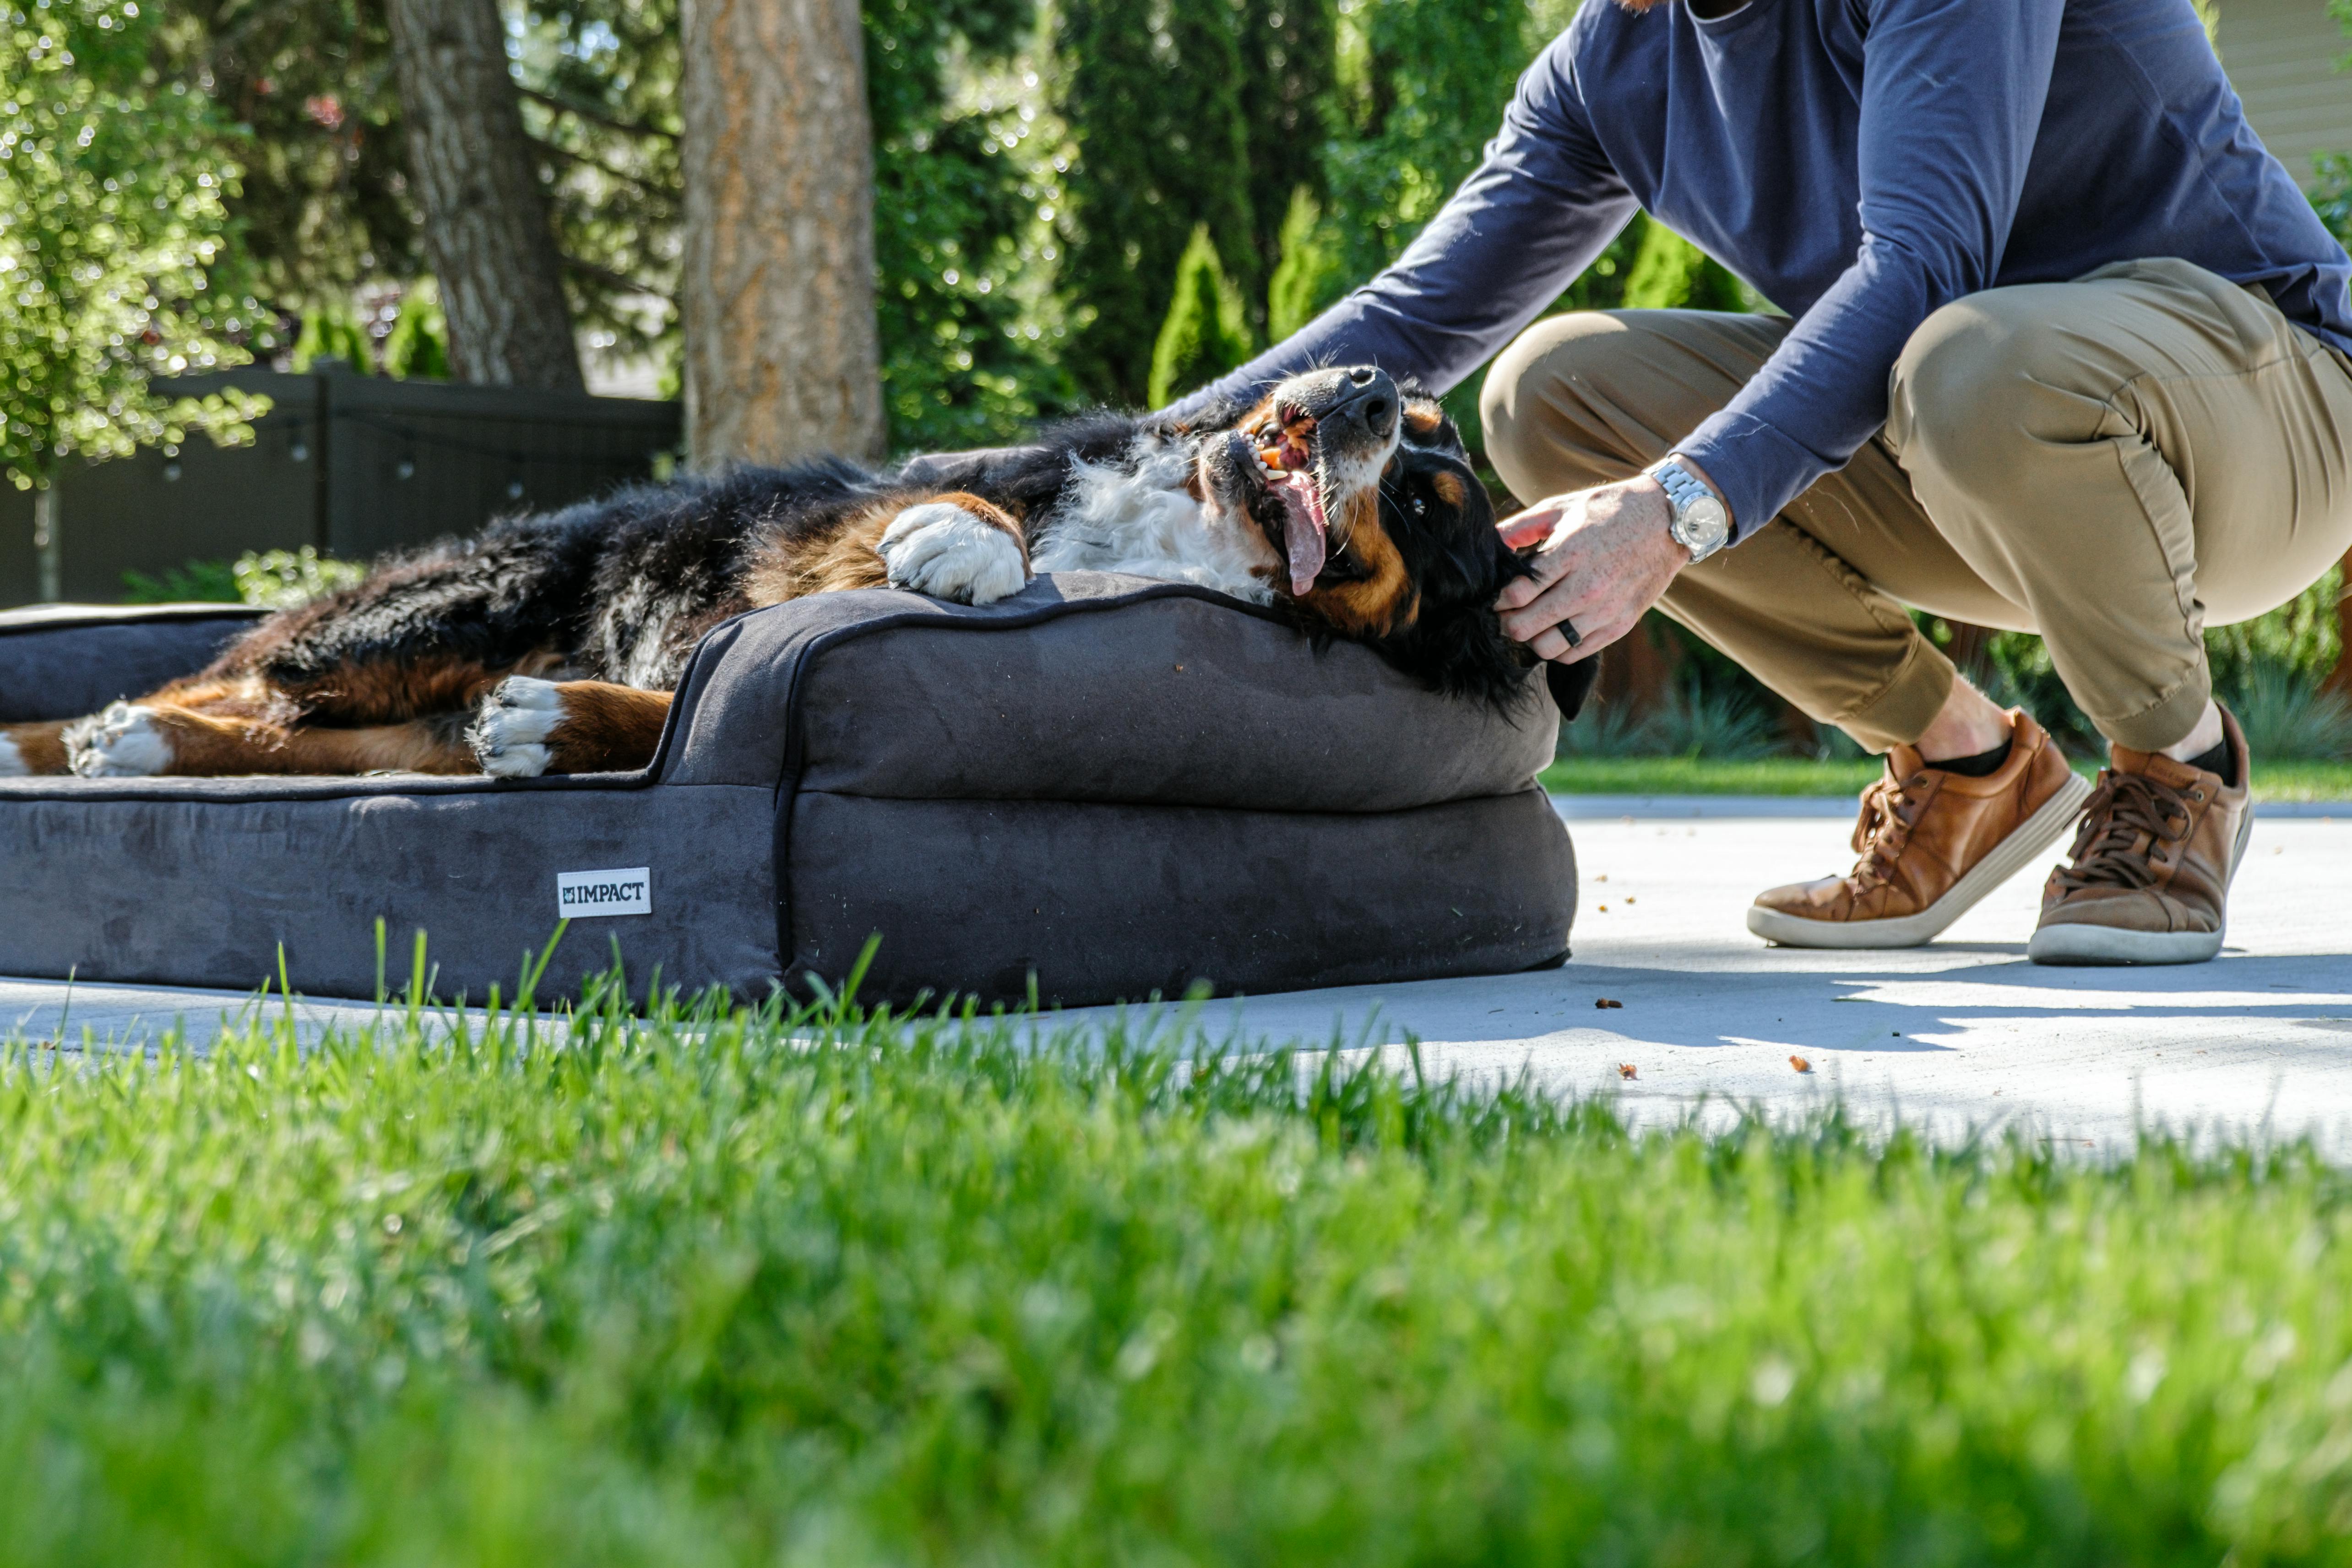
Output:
x,y
419,343
116,256
307,107
2290,719
331,332
2332,194
197,581
267,580
281,580
1670,273
1310,275
717,1286
1206,333
1158,116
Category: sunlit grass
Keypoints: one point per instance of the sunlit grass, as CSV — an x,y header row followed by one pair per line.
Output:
x,y
703,1284
1803,776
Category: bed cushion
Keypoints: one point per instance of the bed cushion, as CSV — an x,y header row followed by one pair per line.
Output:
x,y
1105,787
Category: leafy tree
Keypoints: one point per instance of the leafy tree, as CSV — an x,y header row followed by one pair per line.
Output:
x,y
116,260
1670,273
1206,332
305,103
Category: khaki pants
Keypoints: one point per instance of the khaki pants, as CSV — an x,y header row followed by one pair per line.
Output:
x,y
2112,463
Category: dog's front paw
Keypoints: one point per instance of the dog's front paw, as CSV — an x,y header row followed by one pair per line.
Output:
x,y
941,549
510,730
126,741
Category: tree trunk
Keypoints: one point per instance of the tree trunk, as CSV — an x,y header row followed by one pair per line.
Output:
x,y
485,219
776,290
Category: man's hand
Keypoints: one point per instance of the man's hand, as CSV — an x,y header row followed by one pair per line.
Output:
x,y
1608,559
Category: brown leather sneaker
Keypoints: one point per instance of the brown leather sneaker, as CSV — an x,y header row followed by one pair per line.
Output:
x,y
1932,844
2151,881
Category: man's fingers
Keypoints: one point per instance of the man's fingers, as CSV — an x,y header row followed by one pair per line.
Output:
x,y
1594,641
1531,526
1561,600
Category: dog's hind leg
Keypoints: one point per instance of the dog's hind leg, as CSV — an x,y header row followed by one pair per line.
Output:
x,y
33,749
525,727
133,740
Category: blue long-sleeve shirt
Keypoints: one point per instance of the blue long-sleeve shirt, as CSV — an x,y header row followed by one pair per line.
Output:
x,y
1859,163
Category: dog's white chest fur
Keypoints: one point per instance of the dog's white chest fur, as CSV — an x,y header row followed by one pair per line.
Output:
x,y
1142,521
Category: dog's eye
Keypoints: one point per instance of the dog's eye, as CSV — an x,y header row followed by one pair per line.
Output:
x,y
1420,507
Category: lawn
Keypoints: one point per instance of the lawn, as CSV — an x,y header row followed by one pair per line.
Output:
x,y
1799,776
706,1286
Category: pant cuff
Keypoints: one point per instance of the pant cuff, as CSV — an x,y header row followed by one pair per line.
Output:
x,y
1903,709
2169,721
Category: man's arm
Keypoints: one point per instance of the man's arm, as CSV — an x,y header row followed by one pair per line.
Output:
x,y
1535,213
1952,94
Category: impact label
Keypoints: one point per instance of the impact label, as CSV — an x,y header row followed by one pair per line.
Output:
x,y
580,893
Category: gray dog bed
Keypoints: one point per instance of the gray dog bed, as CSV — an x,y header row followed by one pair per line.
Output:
x,y
1103,787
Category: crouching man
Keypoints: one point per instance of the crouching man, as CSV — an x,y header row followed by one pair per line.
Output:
x,y
2066,353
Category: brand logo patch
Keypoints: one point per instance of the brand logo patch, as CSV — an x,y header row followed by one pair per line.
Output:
x,y
581,893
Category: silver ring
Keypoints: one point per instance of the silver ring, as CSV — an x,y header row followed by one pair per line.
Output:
x,y
1568,630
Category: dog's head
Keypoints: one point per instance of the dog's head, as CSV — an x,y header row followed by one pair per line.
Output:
x,y
1377,526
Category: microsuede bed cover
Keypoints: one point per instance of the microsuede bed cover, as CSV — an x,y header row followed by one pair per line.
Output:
x,y
1113,786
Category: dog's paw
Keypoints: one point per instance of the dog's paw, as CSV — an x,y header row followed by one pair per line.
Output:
x,y
942,551
126,741
510,730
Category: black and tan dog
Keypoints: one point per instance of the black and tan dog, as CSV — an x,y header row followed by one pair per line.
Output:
x,y
551,643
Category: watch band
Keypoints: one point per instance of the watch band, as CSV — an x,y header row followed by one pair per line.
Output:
x,y
1685,491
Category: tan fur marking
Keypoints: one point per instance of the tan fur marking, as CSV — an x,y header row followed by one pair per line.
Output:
x,y
41,747
1375,606
205,746
793,569
847,558
1449,488
605,728
1422,419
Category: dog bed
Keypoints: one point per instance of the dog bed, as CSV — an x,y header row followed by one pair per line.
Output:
x,y
1099,788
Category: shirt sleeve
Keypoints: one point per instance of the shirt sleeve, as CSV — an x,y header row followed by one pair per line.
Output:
x,y
1952,92
1543,204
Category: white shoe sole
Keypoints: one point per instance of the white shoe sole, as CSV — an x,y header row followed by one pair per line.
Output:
x,y
2009,857
2079,943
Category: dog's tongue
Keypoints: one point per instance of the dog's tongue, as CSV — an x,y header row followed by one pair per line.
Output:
x,y
1302,533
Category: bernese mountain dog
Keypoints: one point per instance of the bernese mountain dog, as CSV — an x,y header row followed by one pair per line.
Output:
x,y
552,644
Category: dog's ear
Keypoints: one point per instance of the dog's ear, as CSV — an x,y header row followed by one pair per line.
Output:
x,y
1571,684
1463,654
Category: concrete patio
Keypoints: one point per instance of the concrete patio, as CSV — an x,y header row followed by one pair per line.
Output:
x,y
1958,1037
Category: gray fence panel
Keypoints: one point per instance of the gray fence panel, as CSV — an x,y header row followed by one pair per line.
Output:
x,y
355,464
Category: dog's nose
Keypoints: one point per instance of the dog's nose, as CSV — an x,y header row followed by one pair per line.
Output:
x,y
1369,399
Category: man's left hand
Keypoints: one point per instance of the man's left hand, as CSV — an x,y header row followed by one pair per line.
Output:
x,y
1608,559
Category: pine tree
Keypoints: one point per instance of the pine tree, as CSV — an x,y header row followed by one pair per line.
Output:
x,y
1207,331
1310,275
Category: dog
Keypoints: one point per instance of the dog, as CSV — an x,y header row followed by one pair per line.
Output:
x,y
552,644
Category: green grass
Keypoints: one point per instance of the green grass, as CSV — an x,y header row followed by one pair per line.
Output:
x,y
1799,776
709,1286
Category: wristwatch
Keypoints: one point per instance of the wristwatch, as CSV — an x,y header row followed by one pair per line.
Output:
x,y
1701,524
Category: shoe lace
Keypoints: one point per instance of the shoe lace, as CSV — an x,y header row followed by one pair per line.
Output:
x,y
2126,817
1889,808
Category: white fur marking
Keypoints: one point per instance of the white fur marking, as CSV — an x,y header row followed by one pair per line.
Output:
x,y
941,549
123,742
12,759
510,730
1140,519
